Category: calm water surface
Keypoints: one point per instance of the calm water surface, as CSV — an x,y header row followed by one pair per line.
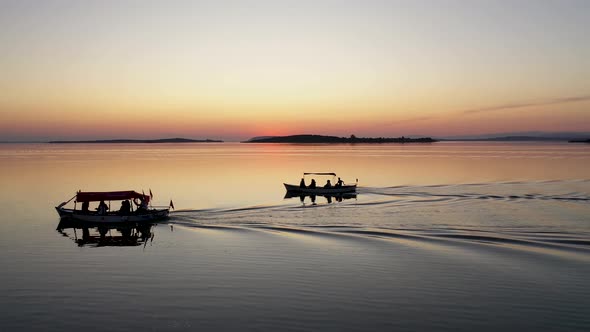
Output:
x,y
445,236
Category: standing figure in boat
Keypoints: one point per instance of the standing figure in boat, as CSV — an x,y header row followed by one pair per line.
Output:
x,y
312,185
339,183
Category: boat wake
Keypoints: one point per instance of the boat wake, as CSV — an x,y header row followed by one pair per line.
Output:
x,y
529,215
495,191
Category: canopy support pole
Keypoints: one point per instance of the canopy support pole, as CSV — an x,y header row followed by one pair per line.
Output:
x,y
69,200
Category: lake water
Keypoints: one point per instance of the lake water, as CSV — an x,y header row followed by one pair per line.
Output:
x,y
445,236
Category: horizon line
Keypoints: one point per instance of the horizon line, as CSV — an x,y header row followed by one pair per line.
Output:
x,y
523,133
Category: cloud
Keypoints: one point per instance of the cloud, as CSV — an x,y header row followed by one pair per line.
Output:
x,y
554,101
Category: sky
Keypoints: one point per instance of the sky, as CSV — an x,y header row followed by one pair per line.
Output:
x,y
236,69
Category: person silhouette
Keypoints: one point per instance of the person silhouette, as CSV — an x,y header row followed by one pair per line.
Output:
x,y
339,182
312,185
125,207
302,183
102,208
143,205
85,206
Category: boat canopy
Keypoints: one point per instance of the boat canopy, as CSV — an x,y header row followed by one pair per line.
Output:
x,y
333,174
109,196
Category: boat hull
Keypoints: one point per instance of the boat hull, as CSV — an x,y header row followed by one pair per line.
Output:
x,y
149,216
321,190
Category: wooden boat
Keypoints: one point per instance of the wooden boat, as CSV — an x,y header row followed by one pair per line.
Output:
x,y
321,190
142,213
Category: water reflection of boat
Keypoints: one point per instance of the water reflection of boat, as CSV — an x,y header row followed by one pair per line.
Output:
x,y
126,214
107,235
329,197
333,189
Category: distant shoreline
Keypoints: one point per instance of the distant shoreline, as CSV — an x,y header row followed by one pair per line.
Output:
x,y
161,140
319,139
510,139
336,140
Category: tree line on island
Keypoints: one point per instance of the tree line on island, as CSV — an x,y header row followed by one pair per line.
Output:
x,y
335,139
271,139
161,140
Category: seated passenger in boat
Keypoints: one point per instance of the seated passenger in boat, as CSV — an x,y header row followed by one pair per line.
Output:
x,y
125,207
102,208
312,185
328,184
302,183
143,206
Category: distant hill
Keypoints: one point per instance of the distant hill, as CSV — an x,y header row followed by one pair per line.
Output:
x,y
259,138
335,139
161,140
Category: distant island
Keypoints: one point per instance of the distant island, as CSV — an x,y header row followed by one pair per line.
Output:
x,y
335,139
517,139
538,136
161,140
507,139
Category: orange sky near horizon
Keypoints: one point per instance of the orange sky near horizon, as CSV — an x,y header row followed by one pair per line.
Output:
x,y
205,70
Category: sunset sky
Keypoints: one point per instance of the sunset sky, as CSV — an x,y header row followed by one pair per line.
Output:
x,y
236,69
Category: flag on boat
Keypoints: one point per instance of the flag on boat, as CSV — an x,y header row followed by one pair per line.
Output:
x,y
171,204
151,195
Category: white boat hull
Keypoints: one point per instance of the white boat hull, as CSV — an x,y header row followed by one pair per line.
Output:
x,y
321,190
150,215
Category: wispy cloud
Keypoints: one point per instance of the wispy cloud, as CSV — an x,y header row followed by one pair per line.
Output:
x,y
553,101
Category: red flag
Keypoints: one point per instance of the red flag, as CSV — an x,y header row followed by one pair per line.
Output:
x,y
151,195
171,205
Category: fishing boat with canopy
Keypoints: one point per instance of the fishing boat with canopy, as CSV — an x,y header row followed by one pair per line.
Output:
x,y
335,188
112,213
